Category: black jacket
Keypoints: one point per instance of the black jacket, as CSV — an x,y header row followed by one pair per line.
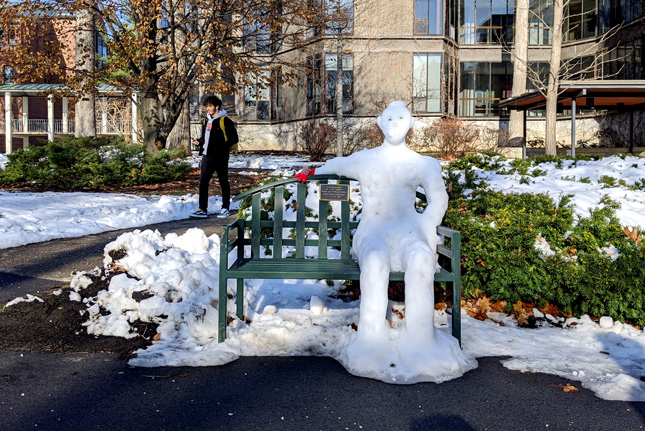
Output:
x,y
217,145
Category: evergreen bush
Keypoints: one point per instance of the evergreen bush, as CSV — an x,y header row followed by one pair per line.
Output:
x,y
92,163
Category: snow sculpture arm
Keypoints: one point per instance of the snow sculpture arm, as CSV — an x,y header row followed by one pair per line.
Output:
x,y
435,191
347,166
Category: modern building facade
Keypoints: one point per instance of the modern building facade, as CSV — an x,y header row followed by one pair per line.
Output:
x,y
445,58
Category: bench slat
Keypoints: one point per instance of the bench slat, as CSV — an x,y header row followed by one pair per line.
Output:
x,y
278,216
300,219
255,225
323,214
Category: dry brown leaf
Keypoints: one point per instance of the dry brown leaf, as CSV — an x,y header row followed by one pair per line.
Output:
x,y
398,313
498,306
565,388
521,314
156,337
440,306
632,234
549,309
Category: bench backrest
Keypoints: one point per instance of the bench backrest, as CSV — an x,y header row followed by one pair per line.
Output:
x,y
271,232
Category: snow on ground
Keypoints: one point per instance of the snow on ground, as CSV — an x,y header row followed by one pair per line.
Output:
x,y
290,317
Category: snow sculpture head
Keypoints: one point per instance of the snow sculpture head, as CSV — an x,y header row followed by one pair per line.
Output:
x,y
395,122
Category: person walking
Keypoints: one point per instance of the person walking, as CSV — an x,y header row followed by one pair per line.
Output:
x,y
218,137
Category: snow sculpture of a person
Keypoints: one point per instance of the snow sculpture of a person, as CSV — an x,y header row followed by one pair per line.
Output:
x,y
393,236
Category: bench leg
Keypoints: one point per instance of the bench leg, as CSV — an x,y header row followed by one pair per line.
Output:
x,y
456,309
223,300
240,298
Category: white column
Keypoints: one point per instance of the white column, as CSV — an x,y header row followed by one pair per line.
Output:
x,y
134,128
25,122
104,127
25,114
65,115
8,118
50,118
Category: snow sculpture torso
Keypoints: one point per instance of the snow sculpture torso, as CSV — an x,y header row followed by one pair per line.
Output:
x,y
393,236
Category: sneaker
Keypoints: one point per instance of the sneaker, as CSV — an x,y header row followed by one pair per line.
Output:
x,y
224,212
200,213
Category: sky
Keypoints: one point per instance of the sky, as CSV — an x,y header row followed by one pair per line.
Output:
x,y
295,317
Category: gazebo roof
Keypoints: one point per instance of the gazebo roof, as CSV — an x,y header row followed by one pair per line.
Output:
x,y
599,94
43,89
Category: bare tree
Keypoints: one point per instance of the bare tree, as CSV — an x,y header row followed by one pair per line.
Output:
x,y
520,64
559,69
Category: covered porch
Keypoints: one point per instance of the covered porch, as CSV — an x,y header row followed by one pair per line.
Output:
x,y
620,95
17,123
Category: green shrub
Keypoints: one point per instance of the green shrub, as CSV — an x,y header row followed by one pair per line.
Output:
x,y
92,163
500,259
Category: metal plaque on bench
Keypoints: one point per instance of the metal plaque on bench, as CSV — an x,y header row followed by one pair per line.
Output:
x,y
334,192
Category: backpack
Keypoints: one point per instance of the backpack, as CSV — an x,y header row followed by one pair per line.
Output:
x,y
223,129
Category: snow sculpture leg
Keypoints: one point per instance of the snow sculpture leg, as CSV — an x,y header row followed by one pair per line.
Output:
x,y
419,264
369,348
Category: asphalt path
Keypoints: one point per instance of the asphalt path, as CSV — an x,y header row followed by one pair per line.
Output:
x,y
102,392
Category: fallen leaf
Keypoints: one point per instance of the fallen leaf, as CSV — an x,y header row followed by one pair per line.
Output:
x,y
565,388
440,306
156,337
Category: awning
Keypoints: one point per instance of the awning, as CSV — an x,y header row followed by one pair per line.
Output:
x,y
598,94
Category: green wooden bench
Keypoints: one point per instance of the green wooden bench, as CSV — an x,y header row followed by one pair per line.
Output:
x,y
300,267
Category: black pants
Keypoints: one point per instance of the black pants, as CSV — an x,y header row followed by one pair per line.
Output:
x,y
209,166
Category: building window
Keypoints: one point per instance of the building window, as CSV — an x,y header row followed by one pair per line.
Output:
x,y
486,22
625,62
580,20
426,83
483,85
540,22
314,85
348,82
428,16
257,96
340,16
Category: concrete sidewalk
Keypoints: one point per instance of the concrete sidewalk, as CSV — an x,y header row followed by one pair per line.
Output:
x,y
39,266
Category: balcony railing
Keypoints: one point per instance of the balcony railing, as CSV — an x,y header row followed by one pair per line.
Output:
x,y
37,127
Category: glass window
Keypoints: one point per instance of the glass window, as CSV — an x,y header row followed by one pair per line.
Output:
x,y
540,22
314,85
483,16
256,94
340,15
428,16
426,86
331,72
483,85
467,24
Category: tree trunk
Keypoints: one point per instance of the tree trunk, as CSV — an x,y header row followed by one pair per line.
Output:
x,y
151,119
85,108
179,136
554,79
520,63
339,96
